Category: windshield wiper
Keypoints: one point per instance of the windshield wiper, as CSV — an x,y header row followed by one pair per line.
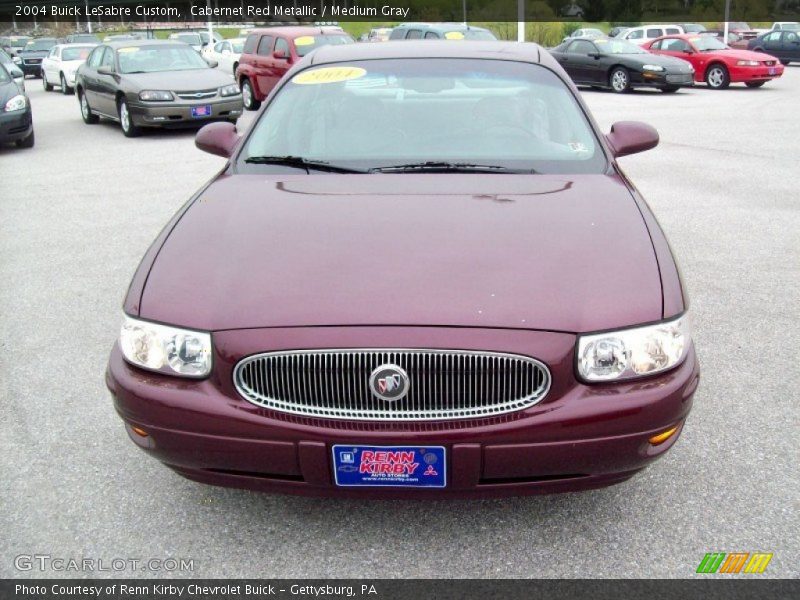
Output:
x,y
448,167
302,163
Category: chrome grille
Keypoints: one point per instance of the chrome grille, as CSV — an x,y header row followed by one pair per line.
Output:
x,y
687,78
196,94
443,384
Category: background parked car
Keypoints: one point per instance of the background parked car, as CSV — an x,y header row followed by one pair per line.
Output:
x,y
82,38
16,122
226,54
60,66
620,65
13,70
693,27
784,44
785,26
32,55
269,53
734,39
646,33
379,34
615,31
742,29
584,33
717,64
440,31
153,83
190,38
13,44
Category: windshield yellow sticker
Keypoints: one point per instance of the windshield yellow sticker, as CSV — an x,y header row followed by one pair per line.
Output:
x,y
328,75
131,49
306,40
454,35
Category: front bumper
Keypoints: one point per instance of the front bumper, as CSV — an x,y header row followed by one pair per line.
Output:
x,y
745,74
660,79
15,125
31,69
578,437
179,113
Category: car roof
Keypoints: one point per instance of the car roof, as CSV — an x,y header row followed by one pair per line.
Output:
x,y
136,43
514,51
77,45
454,26
298,30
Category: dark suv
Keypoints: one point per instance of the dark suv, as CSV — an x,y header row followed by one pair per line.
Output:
x,y
269,53
32,55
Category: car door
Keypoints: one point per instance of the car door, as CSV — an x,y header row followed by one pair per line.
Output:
x,y
579,60
262,61
50,65
772,44
223,55
89,76
791,45
107,84
281,65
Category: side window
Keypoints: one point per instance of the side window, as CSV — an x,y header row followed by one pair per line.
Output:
x,y
265,45
97,55
581,47
636,34
250,44
790,37
672,31
657,45
430,35
218,47
773,37
282,44
654,33
108,59
398,33
414,34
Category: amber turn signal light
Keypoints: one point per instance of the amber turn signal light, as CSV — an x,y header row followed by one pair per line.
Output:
x,y
664,436
139,431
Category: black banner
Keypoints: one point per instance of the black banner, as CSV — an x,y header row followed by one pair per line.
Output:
x,y
14,12
733,588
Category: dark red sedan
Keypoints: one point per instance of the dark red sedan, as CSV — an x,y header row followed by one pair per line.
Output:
x,y
716,63
417,278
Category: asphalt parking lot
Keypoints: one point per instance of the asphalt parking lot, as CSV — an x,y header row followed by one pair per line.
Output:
x,y
78,211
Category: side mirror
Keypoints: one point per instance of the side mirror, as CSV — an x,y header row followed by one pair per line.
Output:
x,y
279,54
212,63
630,137
218,138
105,70
688,51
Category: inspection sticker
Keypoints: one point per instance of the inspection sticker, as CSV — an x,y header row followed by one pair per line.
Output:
x,y
306,40
454,35
130,49
328,75
389,466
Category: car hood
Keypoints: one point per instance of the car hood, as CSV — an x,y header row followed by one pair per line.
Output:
x,y
551,252
737,54
34,53
198,79
671,63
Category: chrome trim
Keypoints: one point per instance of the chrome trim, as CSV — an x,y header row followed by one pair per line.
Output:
x,y
444,384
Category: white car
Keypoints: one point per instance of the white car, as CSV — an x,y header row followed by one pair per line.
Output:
x,y
785,26
645,33
226,53
59,67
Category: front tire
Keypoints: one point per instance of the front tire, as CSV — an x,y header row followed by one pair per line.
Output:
x,y
26,142
754,84
47,87
249,96
129,128
717,77
86,111
619,80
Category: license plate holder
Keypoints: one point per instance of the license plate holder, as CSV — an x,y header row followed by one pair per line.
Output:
x,y
389,466
772,70
200,112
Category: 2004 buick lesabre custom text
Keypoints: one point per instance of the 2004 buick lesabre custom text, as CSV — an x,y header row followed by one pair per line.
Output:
x,y
420,273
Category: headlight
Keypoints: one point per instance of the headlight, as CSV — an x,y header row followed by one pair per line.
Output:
x,y
18,102
632,353
155,96
169,350
17,60
652,68
229,90
747,63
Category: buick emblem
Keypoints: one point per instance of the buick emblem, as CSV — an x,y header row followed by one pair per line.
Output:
x,y
389,382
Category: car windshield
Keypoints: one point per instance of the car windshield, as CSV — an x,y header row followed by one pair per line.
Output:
x,y
39,45
306,43
192,39
708,43
4,57
791,26
470,34
618,47
4,76
85,38
76,53
693,28
741,26
151,59
383,113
